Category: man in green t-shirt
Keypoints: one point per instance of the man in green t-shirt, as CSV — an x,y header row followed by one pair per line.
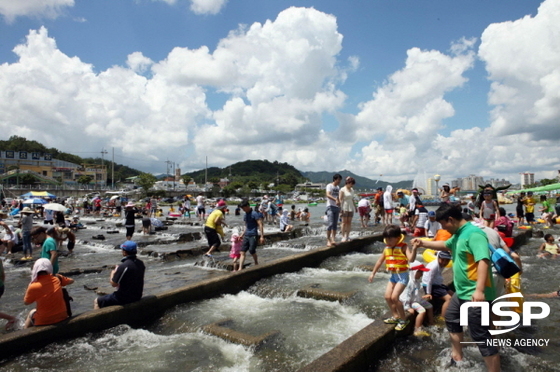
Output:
x,y
472,279
547,211
40,235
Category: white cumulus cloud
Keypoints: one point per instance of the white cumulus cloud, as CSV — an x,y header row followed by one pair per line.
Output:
x,y
207,6
523,61
275,85
12,9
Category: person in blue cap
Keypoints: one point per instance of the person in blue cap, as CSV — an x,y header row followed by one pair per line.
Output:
x,y
128,278
432,226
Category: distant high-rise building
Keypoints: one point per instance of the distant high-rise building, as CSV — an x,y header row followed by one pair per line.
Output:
x,y
499,183
469,183
527,179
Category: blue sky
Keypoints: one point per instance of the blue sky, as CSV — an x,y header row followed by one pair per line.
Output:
x,y
378,90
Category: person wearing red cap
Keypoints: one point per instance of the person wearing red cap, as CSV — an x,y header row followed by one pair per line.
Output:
x,y
213,227
413,300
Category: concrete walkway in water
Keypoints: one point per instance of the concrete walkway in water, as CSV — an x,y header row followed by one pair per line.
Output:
x,y
356,353
152,307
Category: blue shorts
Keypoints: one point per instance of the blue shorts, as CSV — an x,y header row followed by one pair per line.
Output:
x,y
399,278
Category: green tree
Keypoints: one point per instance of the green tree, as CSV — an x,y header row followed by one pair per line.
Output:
x,y
228,191
548,181
252,185
214,180
245,191
146,181
84,180
27,179
283,188
186,179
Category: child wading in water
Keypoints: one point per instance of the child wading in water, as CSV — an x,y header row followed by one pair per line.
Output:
x,y
235,251
396,256
548,249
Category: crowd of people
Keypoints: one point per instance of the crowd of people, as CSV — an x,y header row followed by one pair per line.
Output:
x,y
46,288
411,287
460,236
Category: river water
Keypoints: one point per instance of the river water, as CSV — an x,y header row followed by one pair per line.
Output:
x,y
307,327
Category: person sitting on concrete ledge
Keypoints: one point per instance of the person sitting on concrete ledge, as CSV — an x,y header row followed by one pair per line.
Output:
x,y
128,278
46,289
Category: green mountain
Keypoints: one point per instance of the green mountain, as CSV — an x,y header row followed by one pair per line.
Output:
x,y
362,183
256,171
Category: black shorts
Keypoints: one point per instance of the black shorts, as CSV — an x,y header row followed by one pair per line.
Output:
x,y
250,244
46,222
212,237
130,231
479,333
107,300
530,217
439,290
70,245
519,212
146,223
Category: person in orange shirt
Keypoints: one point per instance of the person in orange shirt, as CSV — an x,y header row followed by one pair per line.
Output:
x,y
46,289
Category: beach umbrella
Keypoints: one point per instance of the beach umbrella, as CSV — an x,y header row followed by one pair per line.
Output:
x,y
155,222
35,201
114,197
55,207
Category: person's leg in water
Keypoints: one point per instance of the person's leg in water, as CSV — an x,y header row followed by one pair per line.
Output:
x,y
388,298
397,290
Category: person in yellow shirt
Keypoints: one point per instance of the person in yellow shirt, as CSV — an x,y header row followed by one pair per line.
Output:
x,y
213,227
530,202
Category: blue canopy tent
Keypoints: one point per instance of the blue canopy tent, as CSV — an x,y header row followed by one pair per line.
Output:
x,y
38,194
34,201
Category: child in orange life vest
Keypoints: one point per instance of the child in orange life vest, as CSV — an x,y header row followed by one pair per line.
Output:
x,y
396,256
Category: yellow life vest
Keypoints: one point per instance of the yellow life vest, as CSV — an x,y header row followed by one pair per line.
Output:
x,y
395,259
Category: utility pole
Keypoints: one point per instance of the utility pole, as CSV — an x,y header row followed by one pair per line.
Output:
x,y
113,171
103,152
167,172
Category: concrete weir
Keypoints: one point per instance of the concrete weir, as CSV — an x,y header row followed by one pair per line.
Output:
x,y
356,353
151,308
221,330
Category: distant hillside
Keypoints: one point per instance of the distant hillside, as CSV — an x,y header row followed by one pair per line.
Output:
x,y
258,171
17,143
362,183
